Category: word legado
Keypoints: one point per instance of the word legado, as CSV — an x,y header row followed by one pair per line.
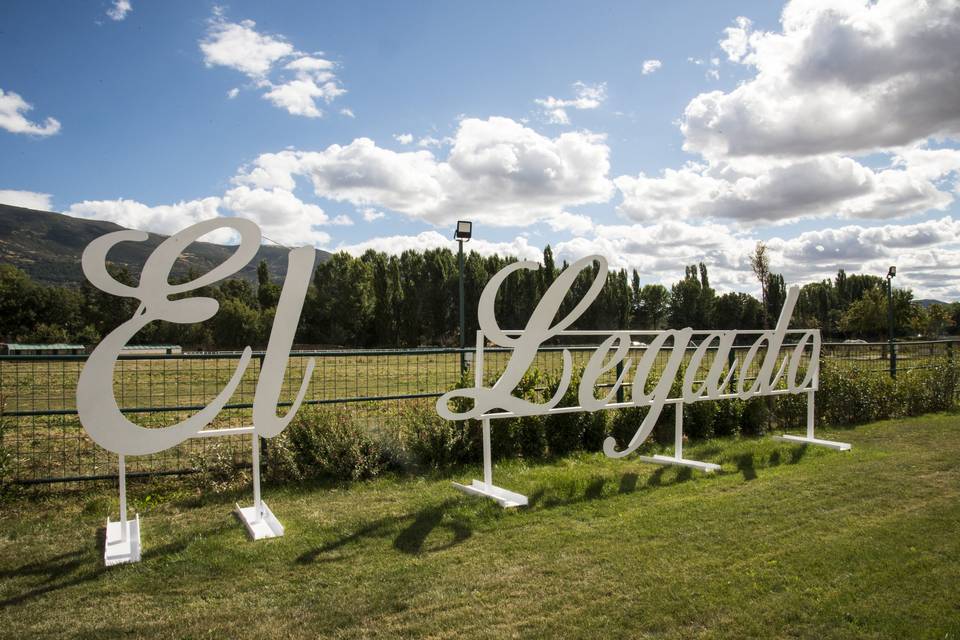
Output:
x,y
775,375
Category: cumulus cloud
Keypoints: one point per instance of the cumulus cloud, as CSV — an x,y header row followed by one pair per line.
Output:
x,y
28,199
369,215
497,171
239,46
290,79
840,77
164,219
650,66
395,245
586,96
786,190
403,138
283,217
12,118
838,81
119,10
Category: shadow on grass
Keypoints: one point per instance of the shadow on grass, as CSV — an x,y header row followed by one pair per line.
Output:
x,y
596,489
746,463
76,567
411,540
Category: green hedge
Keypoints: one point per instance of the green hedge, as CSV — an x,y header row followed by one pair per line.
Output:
x,y
326,444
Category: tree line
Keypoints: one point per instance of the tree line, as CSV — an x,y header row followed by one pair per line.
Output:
x,y
380,300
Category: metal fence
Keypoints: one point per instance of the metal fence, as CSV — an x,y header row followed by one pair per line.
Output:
x,y
45,443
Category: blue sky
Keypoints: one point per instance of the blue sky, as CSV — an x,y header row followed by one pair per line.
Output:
x,y
830,134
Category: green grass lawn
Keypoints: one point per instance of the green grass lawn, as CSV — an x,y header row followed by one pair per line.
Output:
x,y
785,542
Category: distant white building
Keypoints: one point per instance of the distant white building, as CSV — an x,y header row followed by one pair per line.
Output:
x,y
57,349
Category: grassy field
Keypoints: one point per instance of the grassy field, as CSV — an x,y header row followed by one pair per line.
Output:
x,y
785,542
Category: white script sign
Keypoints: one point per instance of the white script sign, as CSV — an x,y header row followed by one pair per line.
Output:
x,y
104,421
777,374
525,345
96,403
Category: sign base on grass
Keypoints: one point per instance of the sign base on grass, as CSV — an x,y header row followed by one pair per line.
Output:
x,y
830,444
706,467
122,546
259,527
503,497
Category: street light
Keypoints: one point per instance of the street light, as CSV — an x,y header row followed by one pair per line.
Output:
x,y
463,233
891,274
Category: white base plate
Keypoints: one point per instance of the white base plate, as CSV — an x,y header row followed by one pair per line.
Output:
x,y
267,527
839,446
504,498
706,467
117,551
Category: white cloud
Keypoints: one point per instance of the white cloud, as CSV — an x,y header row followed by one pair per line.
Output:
x,y
395,245
429,141
239,46
587,96
925,253
12,118
736,44
233,93
775,191
296,86
119,10
575,223
28,199
650,66
842,77
369,215
164,219
348,112
403,138
284,218
840,80
497,171
342,220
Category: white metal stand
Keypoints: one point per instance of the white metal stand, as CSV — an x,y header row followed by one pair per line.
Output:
x,y
487,489
122,542
810,439
259,520
505,498
677,457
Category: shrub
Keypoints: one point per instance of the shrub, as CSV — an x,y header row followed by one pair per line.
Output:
x,y
434,442
566,432
325,444
728,419
850,395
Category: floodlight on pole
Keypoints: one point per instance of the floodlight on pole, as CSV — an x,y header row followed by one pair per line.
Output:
x,y
462,233
891,274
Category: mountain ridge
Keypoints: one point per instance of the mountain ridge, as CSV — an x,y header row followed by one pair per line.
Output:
x,y
48,246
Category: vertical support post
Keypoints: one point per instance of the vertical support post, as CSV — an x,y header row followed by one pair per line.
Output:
x,y
122,474
620,388
810,415
487,457
893,345
678,431
730,360
257,503
463,316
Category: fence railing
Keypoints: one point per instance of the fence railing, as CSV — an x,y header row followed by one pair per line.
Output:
x,y
45,443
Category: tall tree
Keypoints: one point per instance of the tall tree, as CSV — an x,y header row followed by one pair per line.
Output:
x,y
760,264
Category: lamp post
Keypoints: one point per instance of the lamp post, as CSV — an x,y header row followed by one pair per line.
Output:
x,y
462,234
891,273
